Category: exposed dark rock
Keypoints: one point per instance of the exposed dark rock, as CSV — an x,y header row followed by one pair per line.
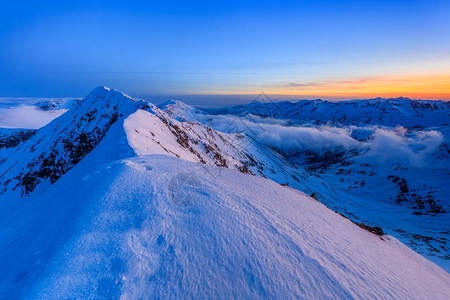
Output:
x,y
415,198
15,138
375,229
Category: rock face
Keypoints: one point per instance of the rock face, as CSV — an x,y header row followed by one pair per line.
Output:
x,y
12,137
375,229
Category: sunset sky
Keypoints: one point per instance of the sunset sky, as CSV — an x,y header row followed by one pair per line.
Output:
x,y
312,49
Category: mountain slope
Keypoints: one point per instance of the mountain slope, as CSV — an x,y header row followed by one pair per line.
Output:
x,y
46,154
157,132
122,232
161,208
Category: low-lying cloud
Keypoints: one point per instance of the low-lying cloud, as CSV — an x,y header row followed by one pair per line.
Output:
x,y
399,144
27,116
393,144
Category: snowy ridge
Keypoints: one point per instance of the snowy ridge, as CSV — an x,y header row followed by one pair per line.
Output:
x,y
152,131
159,133
179,110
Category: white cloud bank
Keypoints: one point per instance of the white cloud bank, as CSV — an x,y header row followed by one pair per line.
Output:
x,y
27,116
396,144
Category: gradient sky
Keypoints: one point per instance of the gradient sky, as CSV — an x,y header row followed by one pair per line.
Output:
x,y
330,49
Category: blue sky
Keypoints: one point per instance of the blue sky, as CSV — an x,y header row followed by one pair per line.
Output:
x,y
147,48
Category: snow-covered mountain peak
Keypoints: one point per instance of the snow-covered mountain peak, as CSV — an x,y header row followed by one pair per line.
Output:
x,y
180,110
105,99
57,147
103,91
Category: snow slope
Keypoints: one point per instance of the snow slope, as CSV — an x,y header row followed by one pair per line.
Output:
x,y
156,132
122,233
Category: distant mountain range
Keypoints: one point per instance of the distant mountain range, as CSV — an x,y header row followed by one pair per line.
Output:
x,y
377,111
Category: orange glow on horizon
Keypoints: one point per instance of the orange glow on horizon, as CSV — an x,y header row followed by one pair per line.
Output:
x,y
436,87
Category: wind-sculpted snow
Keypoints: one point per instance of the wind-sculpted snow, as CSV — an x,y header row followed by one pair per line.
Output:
x,y
118,233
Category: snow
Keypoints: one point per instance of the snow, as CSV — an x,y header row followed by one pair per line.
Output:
x,y
179,110
160,207
148,134
120,233
156,132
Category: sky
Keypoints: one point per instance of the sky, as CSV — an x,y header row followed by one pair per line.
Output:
x,y
308,49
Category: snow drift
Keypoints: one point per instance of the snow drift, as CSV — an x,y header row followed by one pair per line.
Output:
x,y
121,233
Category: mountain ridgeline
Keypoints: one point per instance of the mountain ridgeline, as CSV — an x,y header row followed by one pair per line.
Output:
x,y
37,158
377,111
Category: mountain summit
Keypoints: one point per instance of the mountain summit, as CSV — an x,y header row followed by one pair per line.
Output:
x,y
57,147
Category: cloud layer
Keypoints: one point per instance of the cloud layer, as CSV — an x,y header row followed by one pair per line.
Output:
x,y
393,144
26,116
